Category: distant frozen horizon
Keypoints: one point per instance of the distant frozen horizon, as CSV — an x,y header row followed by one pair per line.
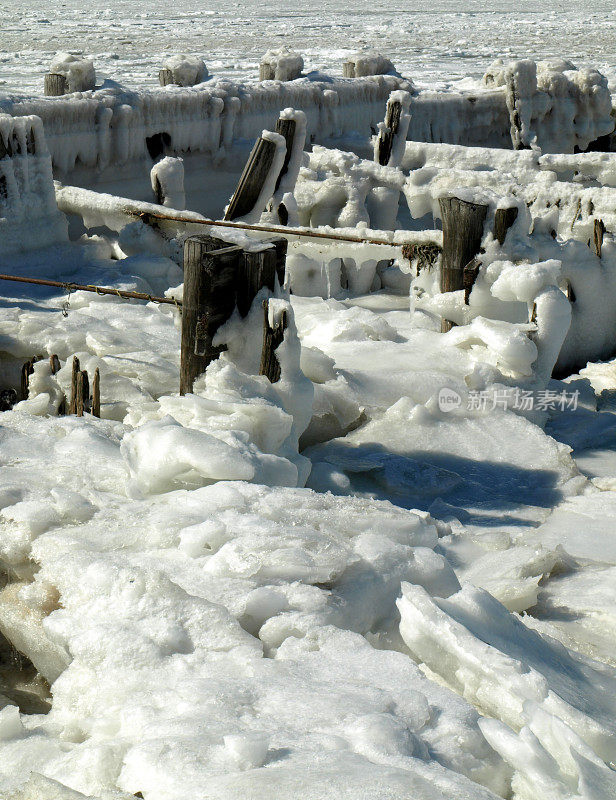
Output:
x,y
452,41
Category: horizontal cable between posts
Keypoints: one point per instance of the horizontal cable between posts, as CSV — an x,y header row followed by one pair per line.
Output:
x,y
283,231
100,290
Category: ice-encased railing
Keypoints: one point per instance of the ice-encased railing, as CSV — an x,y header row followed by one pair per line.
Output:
x,y
110,126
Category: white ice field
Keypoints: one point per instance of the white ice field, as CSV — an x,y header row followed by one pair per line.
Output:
x,y
334,586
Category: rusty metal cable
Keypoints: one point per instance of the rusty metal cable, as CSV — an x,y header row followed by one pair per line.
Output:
x,y
100,290
283,231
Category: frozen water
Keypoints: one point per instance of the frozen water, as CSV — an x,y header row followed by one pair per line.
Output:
x,y
129,40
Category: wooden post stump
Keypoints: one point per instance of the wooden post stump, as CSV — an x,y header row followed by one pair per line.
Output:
x,y
286,128
503,220
388,133
266,72
348,69
210,276
96,394
82,400
462,234
54,364
273,336
165,77
72,409
597,238
256,271
252,179
26,371
55,85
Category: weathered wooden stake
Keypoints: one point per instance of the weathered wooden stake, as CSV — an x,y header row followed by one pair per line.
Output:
x,y
30,142
597,238
72,409
256,271
55,85
286,128
96,393
462,234
54,363
165,77
266,72
26,371
513,103
348,69
503,220
252,179
83,393
388,133
273,336
210,274
281,246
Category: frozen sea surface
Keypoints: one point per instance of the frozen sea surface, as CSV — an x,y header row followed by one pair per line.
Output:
x,y
452,40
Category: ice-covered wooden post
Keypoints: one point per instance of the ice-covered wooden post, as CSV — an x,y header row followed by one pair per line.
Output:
x,y
282,64
252,179
211,269
96,393
462,234
273,336
55,85
182,70
388,131
257,269
503,220
82,403
348,69
165,77
72,409
597,237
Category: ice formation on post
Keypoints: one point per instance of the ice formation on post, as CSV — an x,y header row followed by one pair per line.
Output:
x,y
552,105
186,70
78,71
167,179
281,64
29,216
369,63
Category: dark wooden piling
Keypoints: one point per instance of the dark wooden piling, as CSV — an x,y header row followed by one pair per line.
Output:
x,y
266,72
72,409
597,237
210,279
252,179
513,104
273,336
159,195
96,393
165,77
503,220
30,142
54,364
82,399
55,85
281,246
462,233
286,128
26,371
256,271
388,132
